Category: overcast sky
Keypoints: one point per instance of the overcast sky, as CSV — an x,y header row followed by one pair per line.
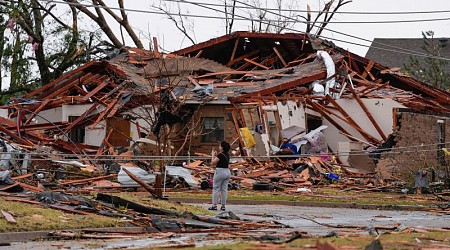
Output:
x,y
205,29
150,25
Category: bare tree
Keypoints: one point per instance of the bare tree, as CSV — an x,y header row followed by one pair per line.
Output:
x,y
276,21
285,17
167,118
230,9
182,23
38,35
100,19
327,13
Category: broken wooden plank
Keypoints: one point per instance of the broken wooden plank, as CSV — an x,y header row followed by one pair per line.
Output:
x,y
236,43
319,109
49,205
13,135
256,174
156,53
8,217
269,61
198,54
142,183
118,201
257,64
81,117
10,186
82,235
87,179
36,111
60,79
105,112
195,163
230,63
280,56
57,90
193,81
350,121
347,118
99,87
367,70
31,188
21,176
368,114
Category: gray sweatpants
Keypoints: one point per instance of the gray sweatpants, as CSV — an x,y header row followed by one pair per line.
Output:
x,y
220,185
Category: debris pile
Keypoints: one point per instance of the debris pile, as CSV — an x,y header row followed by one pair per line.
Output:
x,y
298,111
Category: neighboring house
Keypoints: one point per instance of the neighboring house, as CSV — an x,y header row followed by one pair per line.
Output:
x,y
248,88
397,52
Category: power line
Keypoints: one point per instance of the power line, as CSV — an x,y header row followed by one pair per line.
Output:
x,y
319,11
94,158
336,22
241,18
408,52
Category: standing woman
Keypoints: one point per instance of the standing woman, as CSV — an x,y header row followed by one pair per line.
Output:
x,y
222,175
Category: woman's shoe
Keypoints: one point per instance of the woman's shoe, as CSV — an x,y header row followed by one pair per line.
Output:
x,y
222,208
212,208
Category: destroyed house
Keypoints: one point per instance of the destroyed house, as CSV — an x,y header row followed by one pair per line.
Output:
x,y
368,109
251,89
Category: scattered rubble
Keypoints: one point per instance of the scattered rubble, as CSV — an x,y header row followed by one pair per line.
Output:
x,y
143,120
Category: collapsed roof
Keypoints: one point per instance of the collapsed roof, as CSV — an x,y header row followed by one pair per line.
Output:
x,y
235,68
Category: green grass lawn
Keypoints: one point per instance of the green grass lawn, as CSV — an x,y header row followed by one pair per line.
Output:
x,y
33,218
323,195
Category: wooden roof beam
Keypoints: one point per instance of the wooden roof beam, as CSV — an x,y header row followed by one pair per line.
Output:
x,y
366,111
105,112
317,75
280,56
256,64
57,90
99,87
350,121
299,61
242,67
367,71
268,62
318,108
15,137
236,43
250,54
60,79
81,117
33,114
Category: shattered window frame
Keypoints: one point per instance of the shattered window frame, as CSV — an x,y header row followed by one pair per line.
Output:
x,y
212,129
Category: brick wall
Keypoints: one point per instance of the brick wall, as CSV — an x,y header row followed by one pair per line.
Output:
x,y
416,138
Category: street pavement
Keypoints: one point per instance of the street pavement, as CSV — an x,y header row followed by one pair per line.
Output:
x,y
315,221
323,220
